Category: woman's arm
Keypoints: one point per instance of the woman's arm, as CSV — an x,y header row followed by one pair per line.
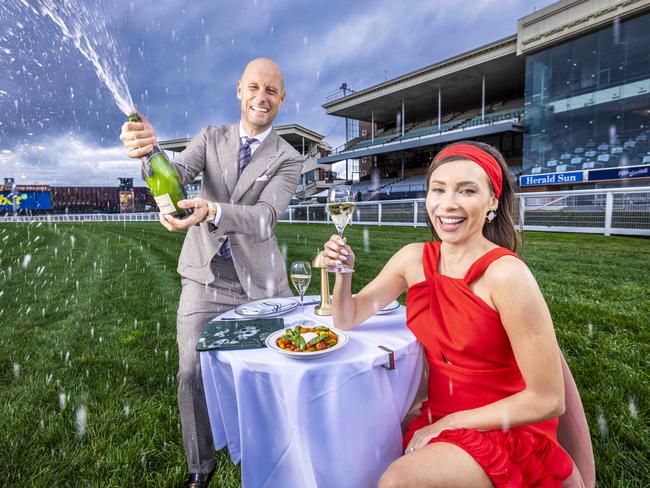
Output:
x,y
349,311
528,323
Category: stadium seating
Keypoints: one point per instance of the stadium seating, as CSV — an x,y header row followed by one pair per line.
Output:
x,y
596,155
451,121
409,184
367,189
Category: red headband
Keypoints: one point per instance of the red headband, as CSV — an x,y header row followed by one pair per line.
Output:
x,y
480,157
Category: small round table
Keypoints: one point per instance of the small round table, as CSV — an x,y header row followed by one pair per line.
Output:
x,y
331,421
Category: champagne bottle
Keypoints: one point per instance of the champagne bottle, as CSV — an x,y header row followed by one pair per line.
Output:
x,y
163,180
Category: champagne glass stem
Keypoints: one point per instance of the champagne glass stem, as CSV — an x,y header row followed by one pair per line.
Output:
x,y
302,304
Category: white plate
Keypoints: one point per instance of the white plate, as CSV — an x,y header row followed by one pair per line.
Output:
x,y
266,307
394,305
271,343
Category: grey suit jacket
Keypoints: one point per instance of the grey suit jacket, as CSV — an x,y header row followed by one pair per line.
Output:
x,y
251,204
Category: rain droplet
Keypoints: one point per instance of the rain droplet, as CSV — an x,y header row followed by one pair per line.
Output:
x,y
26,260
81,417
63,399
602,423
632,406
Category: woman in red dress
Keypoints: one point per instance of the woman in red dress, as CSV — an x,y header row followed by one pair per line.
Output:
x,y
495,379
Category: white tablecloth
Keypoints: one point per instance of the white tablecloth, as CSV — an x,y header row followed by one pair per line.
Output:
x,y
327,422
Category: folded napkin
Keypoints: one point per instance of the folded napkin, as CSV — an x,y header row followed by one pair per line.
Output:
x,y
266,306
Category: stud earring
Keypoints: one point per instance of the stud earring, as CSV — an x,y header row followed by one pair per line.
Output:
x,y
490,216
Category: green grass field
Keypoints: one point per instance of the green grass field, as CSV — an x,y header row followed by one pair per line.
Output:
x,y
88,354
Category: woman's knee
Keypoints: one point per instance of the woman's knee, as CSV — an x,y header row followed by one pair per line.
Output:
x,y
391,479
435,465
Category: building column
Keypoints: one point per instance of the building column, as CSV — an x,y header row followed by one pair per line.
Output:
x,y
303,146
372,125
403,110
483,98
439,108
346,144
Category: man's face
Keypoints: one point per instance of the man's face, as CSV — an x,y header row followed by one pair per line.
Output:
x,y
261,91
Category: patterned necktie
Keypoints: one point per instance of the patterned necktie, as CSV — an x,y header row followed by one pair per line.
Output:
x,y
245,152
244,159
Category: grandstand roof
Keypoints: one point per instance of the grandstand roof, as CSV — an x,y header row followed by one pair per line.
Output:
x,y
457,77
175,145
292,133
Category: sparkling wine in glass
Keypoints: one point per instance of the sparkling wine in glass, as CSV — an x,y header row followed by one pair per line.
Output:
x,y
340,206
300,277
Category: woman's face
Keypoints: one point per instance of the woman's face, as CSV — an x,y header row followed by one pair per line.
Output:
x,y
458,201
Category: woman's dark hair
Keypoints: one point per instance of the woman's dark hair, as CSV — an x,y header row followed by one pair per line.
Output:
x,y
501,230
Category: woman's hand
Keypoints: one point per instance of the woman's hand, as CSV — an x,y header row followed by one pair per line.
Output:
x,y
422,436
336,251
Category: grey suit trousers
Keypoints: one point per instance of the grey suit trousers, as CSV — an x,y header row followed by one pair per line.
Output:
x,y
199,303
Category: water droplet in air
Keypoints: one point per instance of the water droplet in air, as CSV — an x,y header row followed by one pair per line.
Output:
x,y
602,423
81,417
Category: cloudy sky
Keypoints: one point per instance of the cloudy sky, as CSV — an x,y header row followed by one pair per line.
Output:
x,y
59,123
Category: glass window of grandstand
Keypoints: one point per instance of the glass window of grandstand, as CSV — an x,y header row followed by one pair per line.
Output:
x,y
587,101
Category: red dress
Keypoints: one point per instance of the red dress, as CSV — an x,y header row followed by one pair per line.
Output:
x,y
471,365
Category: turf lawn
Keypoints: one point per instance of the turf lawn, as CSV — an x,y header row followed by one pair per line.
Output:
x,y
88,354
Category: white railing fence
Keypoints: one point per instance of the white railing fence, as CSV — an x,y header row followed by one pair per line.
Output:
x,y
612,211
94,217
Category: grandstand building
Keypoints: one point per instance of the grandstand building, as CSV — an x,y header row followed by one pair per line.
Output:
x,y
45,199
566,100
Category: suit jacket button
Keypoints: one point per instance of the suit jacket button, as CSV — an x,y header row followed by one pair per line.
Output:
x,y
221,239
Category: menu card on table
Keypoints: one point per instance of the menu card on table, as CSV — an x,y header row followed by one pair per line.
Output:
x,y
237,334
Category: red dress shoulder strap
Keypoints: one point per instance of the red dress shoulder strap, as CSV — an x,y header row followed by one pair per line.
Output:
x,y
430,257
482,263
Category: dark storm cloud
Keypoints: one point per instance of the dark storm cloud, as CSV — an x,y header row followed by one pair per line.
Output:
x,y
183,59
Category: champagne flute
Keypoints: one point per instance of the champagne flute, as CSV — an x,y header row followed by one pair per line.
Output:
x,y
300,277
340,206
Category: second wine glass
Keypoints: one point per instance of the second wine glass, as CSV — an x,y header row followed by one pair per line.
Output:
x,y
300,277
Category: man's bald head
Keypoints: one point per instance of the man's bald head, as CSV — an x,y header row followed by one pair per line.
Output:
x,y
261,92
264,65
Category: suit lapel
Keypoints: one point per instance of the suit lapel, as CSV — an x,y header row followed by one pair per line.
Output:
x,y
228,151
262,160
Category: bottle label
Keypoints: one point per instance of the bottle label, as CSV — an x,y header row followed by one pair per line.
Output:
x,y
165,204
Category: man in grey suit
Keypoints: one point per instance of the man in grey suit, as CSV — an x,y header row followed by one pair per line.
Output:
x,y
230,254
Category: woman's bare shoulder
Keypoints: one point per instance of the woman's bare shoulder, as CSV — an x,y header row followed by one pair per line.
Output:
x,y
507,272
410,252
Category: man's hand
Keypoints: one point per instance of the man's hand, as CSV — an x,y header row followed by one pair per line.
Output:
x,y
138,138
200,207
